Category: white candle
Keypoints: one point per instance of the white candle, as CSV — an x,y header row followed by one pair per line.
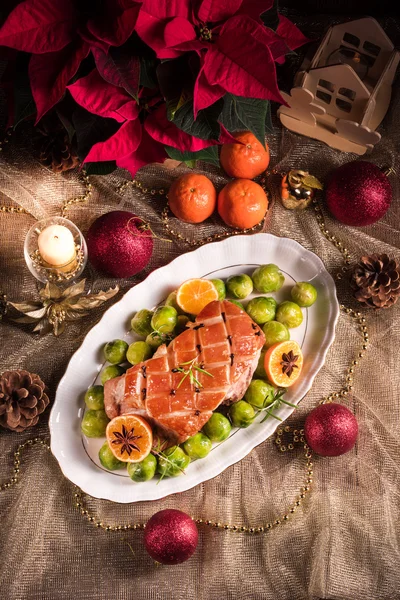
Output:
x,y
56,245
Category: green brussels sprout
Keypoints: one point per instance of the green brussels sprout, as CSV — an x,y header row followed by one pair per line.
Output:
x,y
115,351
94,397
110,372
239,304
275,332
143,470
108,460
94,423
260,369
268,278
171,301
181,324
261,309
259,393
289,314
197,446
154,340
172,462
239,286
241,413
220,287
141,322
217,428
304,294
164,319
138,352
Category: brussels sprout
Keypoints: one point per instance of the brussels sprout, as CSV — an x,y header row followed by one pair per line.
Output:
x,y
261,309
172,462
141,322
268,278
94,423
94,397
143,470
260,369
220,287
289,314
171,301
154,341
239,304
242,414
115,351
138,352
181,324
110,372
304,294
197,446
217,428
108,459
164,319
275,332
259,393
239,286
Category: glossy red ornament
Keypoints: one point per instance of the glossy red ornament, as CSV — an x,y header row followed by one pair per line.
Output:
x,y
331,429
171,537
119,244
358,193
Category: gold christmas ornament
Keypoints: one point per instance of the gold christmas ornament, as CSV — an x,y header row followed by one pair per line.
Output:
x,y
298,189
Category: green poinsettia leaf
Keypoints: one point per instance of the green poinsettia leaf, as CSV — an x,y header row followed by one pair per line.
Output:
x,y
270,18
148,67
91,129
205,127
312,182
268,120
24,104
67,124
242,114
209,155
101,168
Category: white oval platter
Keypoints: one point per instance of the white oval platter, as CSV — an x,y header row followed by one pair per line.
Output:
x,y
78,455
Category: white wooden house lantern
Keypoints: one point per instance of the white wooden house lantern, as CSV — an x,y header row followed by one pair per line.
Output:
x,y
342,95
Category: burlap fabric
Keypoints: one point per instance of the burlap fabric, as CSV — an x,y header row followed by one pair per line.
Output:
x,y
344,542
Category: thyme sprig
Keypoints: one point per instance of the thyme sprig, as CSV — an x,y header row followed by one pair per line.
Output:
x,y
275,404
161,454
189,372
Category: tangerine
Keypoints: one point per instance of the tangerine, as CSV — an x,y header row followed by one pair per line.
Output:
x,y
130,438
283,363
242,203
194,294
192,198
247,159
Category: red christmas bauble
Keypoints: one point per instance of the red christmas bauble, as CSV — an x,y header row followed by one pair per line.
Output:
x,y
171,537
331,429
358,193
119,244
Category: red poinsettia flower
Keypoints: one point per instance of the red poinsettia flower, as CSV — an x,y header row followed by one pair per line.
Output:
x,y
59,36
145,128
236,50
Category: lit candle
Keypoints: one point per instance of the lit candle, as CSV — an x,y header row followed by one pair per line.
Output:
x,y
56,245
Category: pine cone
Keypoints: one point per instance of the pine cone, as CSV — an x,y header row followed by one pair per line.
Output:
x,y
3,305
376,281
58,153
22,399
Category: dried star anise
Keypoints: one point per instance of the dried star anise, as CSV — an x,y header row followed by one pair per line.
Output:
x,y
288,362
126,440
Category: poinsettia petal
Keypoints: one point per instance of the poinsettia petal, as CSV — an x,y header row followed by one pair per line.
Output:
x,y
114,25
212,11
205,94
292,35
168,134
255,8
49,74
241,64
39,26
177,31
149,151
153,18
122,143
226,138
118,68
192,46
267,37
99,97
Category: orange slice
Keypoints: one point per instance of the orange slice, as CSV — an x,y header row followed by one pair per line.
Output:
x,y
194,294
130,438
283,363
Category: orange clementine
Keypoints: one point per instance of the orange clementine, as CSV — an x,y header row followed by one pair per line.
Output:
x,y
245,160
242,203
283,363
130,438
194,294
192,198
